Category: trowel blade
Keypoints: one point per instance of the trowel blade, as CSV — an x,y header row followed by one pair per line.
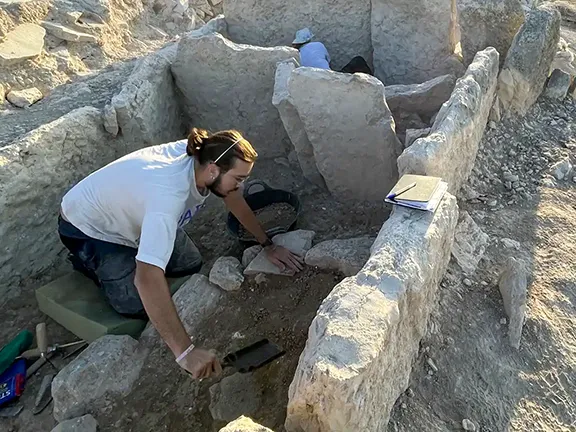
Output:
x,y
253,356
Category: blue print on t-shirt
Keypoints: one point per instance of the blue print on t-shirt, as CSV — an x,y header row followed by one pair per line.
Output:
x,y
188,215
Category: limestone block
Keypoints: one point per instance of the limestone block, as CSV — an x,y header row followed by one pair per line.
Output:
x,y
217,24
234,396
529,58
292,123
346,256
85,423
513,285
244,424
450,149
558,85
488,23
68,34
230,86
227,273
24,98
24,42
104,371
342,25
413,40
424,99
469,243
413,134
249,254
351,130
363,341
110,120
147,107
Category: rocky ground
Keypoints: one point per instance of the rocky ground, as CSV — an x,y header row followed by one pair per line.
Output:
x,y
523,197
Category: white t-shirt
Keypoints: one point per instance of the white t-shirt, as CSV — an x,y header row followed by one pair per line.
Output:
x,y
138,200
315,54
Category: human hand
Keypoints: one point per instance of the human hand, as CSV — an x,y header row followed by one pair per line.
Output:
x,y
283,258
201,363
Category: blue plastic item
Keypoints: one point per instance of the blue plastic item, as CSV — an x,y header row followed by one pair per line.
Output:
x,y
12,381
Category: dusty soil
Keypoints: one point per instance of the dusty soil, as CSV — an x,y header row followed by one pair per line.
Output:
x,y
480,377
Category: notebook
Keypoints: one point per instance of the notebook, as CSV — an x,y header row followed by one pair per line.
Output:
x,y
418,192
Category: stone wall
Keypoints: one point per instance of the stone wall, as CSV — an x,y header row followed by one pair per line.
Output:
x,y
450,149
366,334
230,86
342,25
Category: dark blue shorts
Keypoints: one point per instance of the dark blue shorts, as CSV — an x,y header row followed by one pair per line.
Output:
x,y
113,267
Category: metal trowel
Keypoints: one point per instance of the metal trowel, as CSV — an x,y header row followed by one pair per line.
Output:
x,y
253,356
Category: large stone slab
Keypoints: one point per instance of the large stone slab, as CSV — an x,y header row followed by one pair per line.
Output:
x,y
342,25
293,124
24,42
413,40
104,371
365,337
351,130
85,423
244,424
488,23
450,149
513,285
527,64
68,34
230,86
347,256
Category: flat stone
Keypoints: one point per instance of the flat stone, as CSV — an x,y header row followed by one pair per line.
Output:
x,y
234,396
368,319
511,244
351,130
249,254
85,423
103,372
227,273
244,424
528,61
346,256
275,22
469,243
424,99
298,242
558,85
513,285
68,34
413,40
413,134
450,150
562,169
292,123
488,23
24,98
24,42
210,69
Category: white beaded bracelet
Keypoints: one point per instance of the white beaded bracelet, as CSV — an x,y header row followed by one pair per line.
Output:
x,y
185,353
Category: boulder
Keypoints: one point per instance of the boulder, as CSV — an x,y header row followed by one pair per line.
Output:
x,y
230,86
450,149
343,26
366,334
24,98
413,40
561,169
346,256
513,285
558,85
234,396
469,243
488,23
227,273
85,423
424,99
292,123
68,34
24,42
249,254
298,242
351,131
529,58
413,134
244,424
102,373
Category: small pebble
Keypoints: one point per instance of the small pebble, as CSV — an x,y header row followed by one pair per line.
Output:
x,y
404,406
484,283
432,364
467,282
468,425
503,321
492,203
410,392
260,278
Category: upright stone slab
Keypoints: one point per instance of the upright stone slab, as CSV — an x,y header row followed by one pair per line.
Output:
x,y
558,85
413,40
450,149
292,123
230,86
365,337
513,285
527,64
351,130
24,42
342,25
488,23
